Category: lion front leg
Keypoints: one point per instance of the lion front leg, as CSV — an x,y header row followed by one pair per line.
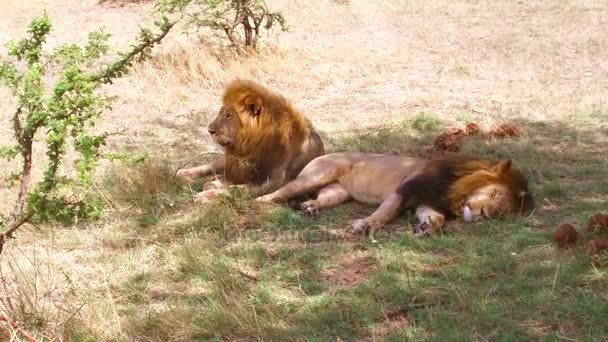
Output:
x,y
200,171
211,190
292,189
388,210
270,186
430,221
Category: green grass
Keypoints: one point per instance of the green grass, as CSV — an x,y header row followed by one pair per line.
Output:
x,y
236,270
404,137
500,279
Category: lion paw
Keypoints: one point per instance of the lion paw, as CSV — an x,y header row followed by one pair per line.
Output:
x,y
361,226
309,208
423,229
214,184
265,199
186,174
206,196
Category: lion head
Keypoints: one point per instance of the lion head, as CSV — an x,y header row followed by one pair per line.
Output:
x,y
486,190
241,112
262,134
225,127
252,115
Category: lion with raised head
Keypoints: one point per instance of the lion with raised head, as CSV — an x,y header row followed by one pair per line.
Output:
x,y
266,141
437,189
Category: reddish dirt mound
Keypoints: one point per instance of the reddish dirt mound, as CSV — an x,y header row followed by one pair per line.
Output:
x,y
506,130
565,235
594,246
451,141
5,335
14,332
351,270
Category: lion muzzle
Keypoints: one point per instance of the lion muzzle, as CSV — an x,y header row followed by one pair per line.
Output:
x,y
467,214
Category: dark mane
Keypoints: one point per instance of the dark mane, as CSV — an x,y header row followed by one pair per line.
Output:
x,y
432,184
446,180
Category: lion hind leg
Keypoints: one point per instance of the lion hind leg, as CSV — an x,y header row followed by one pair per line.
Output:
x,y
317,174
329,196
430,220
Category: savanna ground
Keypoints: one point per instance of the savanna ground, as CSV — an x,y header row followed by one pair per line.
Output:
x,y
384,77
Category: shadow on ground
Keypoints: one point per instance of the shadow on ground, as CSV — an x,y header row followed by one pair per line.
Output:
x,y
238,271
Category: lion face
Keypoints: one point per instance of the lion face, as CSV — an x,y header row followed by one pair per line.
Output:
x,y
232,119
488,201
500,190
225,127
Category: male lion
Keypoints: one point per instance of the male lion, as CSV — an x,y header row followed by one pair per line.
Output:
x,y
266,141
438,188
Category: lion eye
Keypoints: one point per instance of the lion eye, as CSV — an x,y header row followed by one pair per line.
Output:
x,y
494,193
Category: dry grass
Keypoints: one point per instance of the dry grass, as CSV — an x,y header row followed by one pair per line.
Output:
x,y
124,2
156,264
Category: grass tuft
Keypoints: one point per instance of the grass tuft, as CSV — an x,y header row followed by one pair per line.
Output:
x,y
149,186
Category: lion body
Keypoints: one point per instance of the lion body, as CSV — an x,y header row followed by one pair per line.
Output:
x,y
438,189
266,141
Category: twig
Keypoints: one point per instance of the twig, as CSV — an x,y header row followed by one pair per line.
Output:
x,y
25,141
8,233
117,68
247,275
555,277
15,326
179,167
75,313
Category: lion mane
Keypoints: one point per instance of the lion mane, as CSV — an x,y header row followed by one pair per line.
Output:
x,y
454,177
271,132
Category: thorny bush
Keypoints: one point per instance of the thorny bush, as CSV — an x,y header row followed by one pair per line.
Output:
x,y
57,98
238,21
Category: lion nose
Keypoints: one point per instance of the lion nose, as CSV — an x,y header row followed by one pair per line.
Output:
x,y
211,130
467,213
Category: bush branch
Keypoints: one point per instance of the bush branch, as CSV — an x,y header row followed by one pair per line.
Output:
x,y
25,142
118,68
12,228
15,326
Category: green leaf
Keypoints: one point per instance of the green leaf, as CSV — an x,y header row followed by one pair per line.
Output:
x,y
9,152
66,113
98,44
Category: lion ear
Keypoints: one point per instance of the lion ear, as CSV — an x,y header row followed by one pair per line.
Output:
x,y
504,166
253,105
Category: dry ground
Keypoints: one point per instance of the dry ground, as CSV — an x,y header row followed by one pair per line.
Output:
x,y
383,76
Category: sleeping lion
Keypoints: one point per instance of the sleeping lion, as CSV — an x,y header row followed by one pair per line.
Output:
x,y
437,189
